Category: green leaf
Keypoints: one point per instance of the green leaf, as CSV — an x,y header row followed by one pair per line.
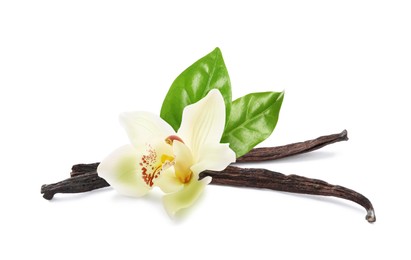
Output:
x,y
252,119
193,84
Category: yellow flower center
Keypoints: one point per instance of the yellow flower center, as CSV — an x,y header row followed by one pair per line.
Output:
x,y
184,177
152,164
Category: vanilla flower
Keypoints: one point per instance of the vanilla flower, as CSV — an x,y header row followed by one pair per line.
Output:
x,y
172,161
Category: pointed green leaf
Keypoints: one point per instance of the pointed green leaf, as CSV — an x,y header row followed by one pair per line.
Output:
x,y
252,119
193,84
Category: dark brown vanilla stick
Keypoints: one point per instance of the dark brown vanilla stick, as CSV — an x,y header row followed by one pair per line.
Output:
x,y
259,154
79,169
266,179
232,176
273,153
81,183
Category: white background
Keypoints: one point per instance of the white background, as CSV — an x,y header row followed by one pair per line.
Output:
x,y
68,68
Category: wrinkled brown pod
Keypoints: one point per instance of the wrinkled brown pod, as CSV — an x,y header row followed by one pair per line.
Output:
x,y
84,176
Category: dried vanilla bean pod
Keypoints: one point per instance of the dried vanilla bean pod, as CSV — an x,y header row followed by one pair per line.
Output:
x,y
79,169
78,184
273,153
231,176
266,179
259,154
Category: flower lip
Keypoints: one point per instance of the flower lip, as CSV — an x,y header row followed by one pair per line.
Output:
x,y
150,171
155,157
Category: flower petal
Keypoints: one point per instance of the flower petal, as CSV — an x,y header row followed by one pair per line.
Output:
x,y
168,182
215,158
143,126
185,197
203,122
120,170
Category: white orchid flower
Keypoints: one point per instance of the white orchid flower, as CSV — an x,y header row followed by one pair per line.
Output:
x,y
172,161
